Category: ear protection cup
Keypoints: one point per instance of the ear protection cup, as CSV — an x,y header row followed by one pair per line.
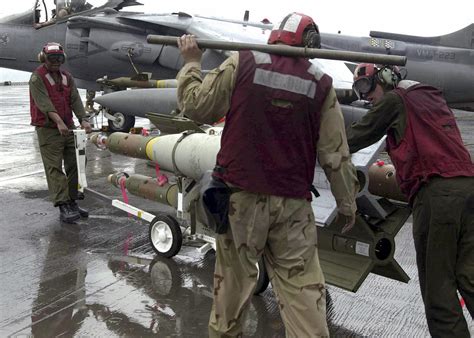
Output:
x,y
312,39
41,57
388,77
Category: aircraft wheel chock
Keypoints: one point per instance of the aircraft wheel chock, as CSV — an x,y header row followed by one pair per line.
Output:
x,y
165,236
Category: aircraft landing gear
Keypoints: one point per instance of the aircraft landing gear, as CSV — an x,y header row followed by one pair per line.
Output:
x,y
119,122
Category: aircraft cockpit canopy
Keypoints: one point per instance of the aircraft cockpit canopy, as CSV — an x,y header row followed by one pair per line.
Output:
x,y
54,10
68,7
48,12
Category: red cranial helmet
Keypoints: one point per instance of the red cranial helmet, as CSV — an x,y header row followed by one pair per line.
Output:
x,y
367,75
52,51
296,30
364,79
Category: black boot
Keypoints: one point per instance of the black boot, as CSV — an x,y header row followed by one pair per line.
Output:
x,y
66,214
76,208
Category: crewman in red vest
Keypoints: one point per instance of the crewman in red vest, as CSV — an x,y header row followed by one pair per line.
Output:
x,y
281,114
436,173
53,97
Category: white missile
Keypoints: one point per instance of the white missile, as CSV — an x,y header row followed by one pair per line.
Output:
x,y
138,102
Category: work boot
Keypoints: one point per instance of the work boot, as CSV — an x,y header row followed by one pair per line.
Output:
x,y
66,214
76,208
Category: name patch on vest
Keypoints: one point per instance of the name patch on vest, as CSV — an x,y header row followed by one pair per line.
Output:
x,y
261,58
286,82
52,82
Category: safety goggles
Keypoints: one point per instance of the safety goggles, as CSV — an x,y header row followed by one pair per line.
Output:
x,y
364,86
56,58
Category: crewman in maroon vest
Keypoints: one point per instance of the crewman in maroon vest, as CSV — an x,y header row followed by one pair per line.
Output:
x,y
436,173
281,114
53,97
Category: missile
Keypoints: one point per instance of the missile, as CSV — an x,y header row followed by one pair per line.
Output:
x,y
189,154
146,187
130,82
138,102
346,259
382,182
130,145
195,153
286,50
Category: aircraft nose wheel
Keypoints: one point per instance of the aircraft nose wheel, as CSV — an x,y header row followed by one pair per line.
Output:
x,y
121,122
165,236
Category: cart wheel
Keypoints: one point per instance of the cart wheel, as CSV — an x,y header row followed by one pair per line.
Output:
x,y
165,236
165,276
262,279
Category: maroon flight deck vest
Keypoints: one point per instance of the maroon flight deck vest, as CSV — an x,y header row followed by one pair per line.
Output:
x,y
267,148
432,144
60,96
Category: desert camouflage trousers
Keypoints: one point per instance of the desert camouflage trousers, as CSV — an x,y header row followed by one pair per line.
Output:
x,y
283,230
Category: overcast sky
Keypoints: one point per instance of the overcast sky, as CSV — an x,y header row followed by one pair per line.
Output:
x,y
415,17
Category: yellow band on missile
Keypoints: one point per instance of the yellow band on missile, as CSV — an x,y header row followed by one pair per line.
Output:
x,y
149,147
161,84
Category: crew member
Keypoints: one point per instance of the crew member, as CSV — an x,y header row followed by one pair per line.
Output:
x,y
435,171
281,112
53,97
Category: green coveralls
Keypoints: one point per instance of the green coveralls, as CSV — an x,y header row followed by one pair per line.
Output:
x,y
55,148
443,227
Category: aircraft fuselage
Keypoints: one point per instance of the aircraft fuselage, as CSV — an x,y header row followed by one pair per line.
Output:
x,y
448,68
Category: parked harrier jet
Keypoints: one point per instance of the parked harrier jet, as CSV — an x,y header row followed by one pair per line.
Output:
x,y
106,40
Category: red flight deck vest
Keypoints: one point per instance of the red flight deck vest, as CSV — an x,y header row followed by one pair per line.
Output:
x,y
268,144
432,144
60,96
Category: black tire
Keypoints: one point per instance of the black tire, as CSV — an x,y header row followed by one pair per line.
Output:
x,y
262,279
123,124
165,235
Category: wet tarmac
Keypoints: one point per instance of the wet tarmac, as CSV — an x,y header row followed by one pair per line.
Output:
x,y
100,277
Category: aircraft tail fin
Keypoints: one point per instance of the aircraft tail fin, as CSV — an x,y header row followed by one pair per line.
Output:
x,y
463,38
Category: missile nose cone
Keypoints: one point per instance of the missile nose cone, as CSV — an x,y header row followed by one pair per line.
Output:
x,y
94,139
117,178
112,178
100,140
103,100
